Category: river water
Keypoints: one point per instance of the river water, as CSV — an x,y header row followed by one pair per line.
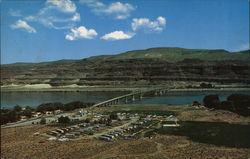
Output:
x,y
180,98
33,99
10,99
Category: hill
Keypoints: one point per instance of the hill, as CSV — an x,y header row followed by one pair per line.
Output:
x,y
172,54
138,67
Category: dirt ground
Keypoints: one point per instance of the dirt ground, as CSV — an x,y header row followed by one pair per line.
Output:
x,y
20,142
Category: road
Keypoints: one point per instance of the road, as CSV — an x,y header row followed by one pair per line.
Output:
x,y
48,120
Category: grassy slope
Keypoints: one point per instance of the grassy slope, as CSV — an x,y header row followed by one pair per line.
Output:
x,y
169,54
178,54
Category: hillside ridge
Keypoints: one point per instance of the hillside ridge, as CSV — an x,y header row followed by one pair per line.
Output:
x,y
170,54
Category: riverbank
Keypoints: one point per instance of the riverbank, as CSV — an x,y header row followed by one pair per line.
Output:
x,y
46,88
208,89
65,89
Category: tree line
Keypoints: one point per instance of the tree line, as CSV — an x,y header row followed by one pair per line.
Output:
x,y
238,103
14,114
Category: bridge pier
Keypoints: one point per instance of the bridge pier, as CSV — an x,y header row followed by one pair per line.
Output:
x,y
133,98
156,93
126,99
161,93
140,96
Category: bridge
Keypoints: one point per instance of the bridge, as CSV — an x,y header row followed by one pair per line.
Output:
x,y
136,95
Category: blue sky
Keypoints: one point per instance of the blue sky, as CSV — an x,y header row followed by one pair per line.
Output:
x,y
49,30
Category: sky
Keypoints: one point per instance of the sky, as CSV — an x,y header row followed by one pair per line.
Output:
x,y
50,30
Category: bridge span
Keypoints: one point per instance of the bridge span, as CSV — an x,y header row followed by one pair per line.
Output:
x,y
136,95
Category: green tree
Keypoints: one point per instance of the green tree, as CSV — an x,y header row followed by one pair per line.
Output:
x,y
87,120
43,121
17,108
211,101
241,103
27,113
63,119
113,116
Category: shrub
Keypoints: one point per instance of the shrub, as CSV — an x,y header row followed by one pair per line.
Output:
x,y
17,108
212,101
241,103
113,116
227,105
87,120
63,119
43,121
204,85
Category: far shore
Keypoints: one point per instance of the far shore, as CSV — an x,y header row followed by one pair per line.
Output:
x,y
113,89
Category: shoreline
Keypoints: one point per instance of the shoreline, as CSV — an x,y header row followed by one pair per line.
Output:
x,y
116,89
208,89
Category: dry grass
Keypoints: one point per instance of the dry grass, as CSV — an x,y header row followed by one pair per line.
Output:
x,y
20,143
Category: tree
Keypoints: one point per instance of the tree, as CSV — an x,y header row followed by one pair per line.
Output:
x,y
204,85
240,102
48,107
17,108
63,119
212,101
27,113
113,116
87,120
43,121
240,99
9,116
227,105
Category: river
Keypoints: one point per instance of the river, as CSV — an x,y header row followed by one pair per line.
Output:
x,y
33,99
10,99
180,98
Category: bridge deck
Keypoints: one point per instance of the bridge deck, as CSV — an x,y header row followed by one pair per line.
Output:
x,y
128,95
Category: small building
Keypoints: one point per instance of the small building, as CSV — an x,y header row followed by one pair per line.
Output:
x,y
36,114
88,129
109,136
54,133
105,138
76,133
48,113
52,139
70,135
58,111
81,112
127,137
60,131
196,103
62,139
65,129
23,118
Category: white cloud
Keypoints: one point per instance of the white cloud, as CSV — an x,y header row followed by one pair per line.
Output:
x,y
15,13
92,3
81,33
117,35
20,24
76,17
117,9
146,24
161,20
47,17
245,47
66,6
